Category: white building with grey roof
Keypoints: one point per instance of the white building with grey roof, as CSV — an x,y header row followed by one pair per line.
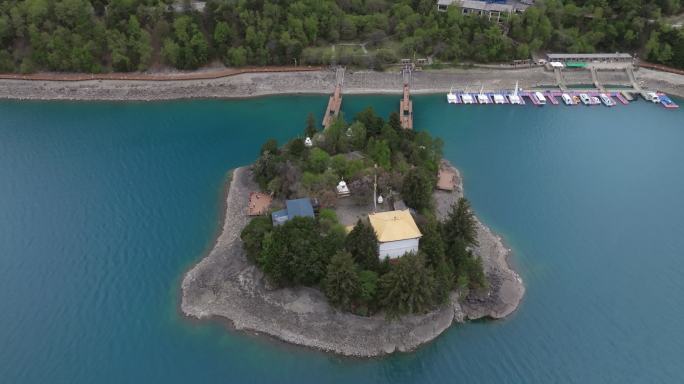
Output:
x,y
493,10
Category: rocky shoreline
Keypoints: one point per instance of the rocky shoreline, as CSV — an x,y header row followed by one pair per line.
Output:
x,y
250,84
225,285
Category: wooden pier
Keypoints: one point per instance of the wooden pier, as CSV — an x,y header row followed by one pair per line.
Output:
x,y
335,101
406,109
334,105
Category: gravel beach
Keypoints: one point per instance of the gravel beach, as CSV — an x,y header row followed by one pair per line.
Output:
x,y
310,82
225,285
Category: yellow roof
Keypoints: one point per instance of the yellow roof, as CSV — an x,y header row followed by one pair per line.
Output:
x,y
394,226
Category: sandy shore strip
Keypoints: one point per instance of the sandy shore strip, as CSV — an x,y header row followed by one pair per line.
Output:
x,y
225,285
252,84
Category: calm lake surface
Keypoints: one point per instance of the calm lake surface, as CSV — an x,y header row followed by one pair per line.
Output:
x,y
104,206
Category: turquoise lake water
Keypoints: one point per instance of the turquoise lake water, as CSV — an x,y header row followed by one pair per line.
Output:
x,y
103,206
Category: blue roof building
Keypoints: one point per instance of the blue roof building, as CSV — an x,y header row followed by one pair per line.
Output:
x,y
294,208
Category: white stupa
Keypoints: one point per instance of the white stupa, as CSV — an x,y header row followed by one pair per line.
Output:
x,y
308,143
380,199
342,189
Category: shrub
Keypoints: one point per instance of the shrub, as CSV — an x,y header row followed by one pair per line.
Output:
x,y
293,253
417,189
363,246
341,282
253,236
409,287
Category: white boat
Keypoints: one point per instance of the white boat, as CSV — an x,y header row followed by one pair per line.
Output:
x,y
540,98
499,99
595,100
481,97
586,100
514,98
452,98
467,98
567,99
653,97
607,101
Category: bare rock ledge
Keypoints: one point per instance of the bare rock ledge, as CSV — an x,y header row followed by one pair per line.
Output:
x,y
225,285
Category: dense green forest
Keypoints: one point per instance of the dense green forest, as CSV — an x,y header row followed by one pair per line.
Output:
x,y
136,35
371,154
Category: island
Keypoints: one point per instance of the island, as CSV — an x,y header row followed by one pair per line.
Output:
x,y
356,240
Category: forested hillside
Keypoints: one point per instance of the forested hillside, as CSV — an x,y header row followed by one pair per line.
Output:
x,y
136,35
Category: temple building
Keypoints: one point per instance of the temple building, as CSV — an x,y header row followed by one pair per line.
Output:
x,y
397,233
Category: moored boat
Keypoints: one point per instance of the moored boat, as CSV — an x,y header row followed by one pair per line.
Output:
x,y
606,100
452,98
567,99
482,98
586,100
541,100
653,97
514,98
667,102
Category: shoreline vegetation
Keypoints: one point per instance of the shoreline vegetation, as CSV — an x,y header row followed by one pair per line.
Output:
x,y
349,275
225,285
265,82
100,36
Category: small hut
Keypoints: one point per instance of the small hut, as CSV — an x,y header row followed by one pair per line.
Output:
x,y
447,179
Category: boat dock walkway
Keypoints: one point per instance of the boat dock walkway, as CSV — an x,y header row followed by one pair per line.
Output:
x,y
594,78
406,104
335,101
560,81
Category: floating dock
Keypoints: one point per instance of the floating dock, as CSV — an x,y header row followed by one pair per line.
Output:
x,y
621,98
553,97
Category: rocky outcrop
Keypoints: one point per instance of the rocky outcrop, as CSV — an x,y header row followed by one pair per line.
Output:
x,y
506,288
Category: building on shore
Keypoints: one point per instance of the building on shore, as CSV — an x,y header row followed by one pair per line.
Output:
x,y
572,58
182,6
397,233
493,10
446,179
293,208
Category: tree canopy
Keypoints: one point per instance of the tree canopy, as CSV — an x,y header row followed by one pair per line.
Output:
x,y
319,252
136,35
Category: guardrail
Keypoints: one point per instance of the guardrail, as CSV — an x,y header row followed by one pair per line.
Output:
x,y
202,75
660,67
